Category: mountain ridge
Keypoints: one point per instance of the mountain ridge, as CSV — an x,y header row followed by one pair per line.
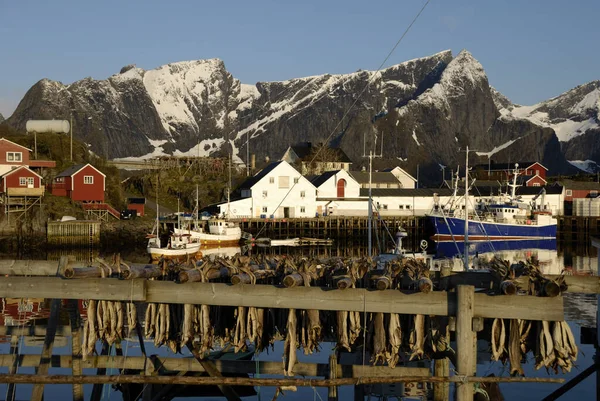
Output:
x,y
427,108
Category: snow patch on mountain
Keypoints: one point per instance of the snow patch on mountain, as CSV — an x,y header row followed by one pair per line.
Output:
x,y
158,151
591,101
202,149
497,148
414,136
589,166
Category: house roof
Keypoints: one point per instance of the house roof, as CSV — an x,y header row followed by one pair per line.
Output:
x,y
494,188
318,180
581,185
16,144
506,166
20,168
249,183
378,177
71,171
390,169
136,201
406,192
304,149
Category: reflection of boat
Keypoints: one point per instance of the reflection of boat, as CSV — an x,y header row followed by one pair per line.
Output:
x,y
509,219
224,251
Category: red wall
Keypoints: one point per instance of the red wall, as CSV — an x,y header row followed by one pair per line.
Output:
x,y
9,147
534,180
576,194
86,192
12,180
138,207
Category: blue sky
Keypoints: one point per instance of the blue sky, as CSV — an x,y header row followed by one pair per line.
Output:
x,y
531,50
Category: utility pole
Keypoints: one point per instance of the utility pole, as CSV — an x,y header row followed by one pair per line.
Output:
x,y
370,206
71,134
248,153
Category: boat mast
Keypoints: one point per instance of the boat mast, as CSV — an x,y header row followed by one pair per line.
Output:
x,y
370,221
466,244
513,191
228,187
157,225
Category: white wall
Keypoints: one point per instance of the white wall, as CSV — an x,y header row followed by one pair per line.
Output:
x,y
405,179
300,198
329,188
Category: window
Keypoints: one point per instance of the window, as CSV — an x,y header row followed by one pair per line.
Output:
x,y
264,209
536,184
30,181
401,207
384,207
271,180
296,180
302,209
264,194
14,156
569,192
88,179
59,179
593,194
22,181
408,207
302,194
537,172
284,182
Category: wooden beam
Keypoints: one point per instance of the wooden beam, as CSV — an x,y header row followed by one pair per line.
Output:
x,y
250,381
268,296
55,287
227,367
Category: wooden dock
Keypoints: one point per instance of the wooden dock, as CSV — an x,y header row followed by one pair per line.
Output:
x,y
75,233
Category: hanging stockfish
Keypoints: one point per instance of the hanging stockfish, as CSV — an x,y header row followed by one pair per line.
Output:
x,y
131,317
240,335
395,337
417,338
150,320
498,339
90,333
514,349
524,330
290,345
187,331
546,356
380,353
342,330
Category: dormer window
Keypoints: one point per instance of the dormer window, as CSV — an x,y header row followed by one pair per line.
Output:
x,y
14,157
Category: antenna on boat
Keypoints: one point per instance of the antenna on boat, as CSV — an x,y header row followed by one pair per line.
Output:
x,y
466,235
370,220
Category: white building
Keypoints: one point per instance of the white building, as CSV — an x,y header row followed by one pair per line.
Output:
x,y
277,191
302,154
406,180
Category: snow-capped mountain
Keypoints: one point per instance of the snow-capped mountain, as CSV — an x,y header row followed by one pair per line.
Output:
x,y
420,112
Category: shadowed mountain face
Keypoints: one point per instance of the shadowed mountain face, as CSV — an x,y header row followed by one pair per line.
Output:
x,y
420,112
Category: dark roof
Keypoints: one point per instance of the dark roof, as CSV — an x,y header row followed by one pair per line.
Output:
x,y
136,201
378,177
249,183
581,185
504,166
71,170
317,180
304,149
550,190
495,189
407,192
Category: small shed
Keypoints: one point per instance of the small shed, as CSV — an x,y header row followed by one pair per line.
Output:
x,y
136,204
21,179
82,182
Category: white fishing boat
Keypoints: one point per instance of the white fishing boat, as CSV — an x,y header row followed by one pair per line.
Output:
x,y
180,245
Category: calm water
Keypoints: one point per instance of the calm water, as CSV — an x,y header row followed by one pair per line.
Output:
x,y
580,312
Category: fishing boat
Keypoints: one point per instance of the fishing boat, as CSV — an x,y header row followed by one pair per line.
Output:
x,y
180,245
508,219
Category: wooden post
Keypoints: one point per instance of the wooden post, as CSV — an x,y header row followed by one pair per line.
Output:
x,y
14,352
45,357
441,391
74,318
97,389
332,394
464,339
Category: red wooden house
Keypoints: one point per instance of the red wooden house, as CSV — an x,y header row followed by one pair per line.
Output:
x,y
531,174
21,181
81,183
14,155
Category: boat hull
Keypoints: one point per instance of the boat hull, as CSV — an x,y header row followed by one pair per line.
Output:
x,y
174,254
453,229
212,239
